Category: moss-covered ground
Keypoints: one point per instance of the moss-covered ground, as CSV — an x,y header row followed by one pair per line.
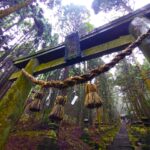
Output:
x,y
29,134
139,136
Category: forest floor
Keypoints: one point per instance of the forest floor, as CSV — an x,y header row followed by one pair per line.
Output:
x,y
69,137
37,138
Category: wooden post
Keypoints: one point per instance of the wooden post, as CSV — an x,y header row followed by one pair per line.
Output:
x,y
12,104
138,26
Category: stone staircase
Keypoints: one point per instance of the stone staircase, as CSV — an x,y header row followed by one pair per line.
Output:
x,y
121,141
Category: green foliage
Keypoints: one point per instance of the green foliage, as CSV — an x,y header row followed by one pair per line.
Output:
x,y
108,137
140,134
71,18
107,5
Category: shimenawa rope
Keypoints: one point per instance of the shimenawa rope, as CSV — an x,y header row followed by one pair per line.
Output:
x,y
71,81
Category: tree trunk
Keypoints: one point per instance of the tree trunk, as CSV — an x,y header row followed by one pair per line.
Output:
x,y
3,58
138,26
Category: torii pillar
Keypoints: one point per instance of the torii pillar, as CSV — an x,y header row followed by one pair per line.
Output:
x,y
12,104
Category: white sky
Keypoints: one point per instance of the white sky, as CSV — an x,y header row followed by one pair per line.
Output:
x,y
97,20
102,18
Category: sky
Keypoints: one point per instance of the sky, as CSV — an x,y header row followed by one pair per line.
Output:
x,y
102,18
95,19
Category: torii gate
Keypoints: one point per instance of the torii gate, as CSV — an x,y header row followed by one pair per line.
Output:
x,y
112,37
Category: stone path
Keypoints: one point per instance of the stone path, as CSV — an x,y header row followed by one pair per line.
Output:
x,y
121,141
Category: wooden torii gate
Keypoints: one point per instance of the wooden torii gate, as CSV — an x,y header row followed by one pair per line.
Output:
x,y
112,37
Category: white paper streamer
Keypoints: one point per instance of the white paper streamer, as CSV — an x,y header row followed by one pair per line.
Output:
x,y
74,100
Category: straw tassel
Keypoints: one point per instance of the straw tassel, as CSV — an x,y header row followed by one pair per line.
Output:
x,y
57,112
92,99
35,105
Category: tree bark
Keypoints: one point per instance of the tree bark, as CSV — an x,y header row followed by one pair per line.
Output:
x,y
139,26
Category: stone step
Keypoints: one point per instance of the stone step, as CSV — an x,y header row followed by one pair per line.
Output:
x,y
121,141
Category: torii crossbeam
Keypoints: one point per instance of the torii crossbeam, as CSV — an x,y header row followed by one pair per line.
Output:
x,y
112,37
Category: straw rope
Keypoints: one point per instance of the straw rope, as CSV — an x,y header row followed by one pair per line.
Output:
x,y
71,81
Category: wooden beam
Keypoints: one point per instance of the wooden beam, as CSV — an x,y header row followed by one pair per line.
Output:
x,y
94,52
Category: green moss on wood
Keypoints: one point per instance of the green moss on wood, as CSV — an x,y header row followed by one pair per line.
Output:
x,y
12,104
50,64
15,75
109,45
41,67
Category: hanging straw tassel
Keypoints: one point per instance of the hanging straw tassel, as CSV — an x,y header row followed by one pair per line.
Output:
x,y
57,112
92,99
61,100
39,95
35,105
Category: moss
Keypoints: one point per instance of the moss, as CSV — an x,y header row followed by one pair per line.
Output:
x,y
12,104
108,137
47,138
15,75
50,64
139,134
47,133
41,67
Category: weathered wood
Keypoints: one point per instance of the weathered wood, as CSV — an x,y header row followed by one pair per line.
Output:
x,y
89,53
12,104
138,26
